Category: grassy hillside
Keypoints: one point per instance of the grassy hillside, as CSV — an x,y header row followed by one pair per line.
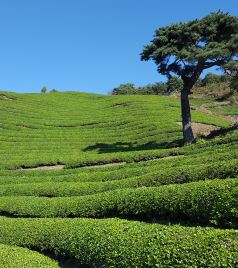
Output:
x,y
77,128
162,205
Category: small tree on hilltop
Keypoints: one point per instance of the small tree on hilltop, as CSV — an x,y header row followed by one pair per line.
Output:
x,y
44,90
187,49
124,89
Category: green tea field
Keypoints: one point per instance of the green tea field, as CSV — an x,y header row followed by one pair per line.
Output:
x,y
91,180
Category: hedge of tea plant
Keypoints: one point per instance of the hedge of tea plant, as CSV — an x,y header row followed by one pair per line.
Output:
x,y
16,257
74,128
211,202
119,243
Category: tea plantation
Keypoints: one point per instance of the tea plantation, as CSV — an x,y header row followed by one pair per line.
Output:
x,y
89,180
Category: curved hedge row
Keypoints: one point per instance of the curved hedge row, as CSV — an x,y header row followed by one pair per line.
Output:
x,y
184,174
206,202
102,243
16,257
160,166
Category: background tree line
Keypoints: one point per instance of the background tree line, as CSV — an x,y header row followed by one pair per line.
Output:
x,y
175,84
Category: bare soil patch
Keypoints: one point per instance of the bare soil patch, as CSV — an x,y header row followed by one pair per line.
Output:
x,y
171,157
201,129
233,119
204,110
106,165
44,167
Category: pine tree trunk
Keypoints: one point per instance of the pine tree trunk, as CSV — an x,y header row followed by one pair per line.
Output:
x,y
186,116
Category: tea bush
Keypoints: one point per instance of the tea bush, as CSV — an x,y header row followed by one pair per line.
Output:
x,y
119,243
155,179
16,257
210,202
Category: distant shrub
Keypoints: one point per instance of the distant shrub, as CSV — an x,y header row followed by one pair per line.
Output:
x,y
211,78
174,84
44,90
124,89
150,89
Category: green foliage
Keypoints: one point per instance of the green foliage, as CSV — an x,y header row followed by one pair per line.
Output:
x,y
210,202
231,68
151,89
182,174
44,89
156,180
102,243
186,49
174,84
124,89
211,78
87,128
234,84
16,257
54,90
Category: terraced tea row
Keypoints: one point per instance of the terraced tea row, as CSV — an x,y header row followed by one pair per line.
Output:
x,y
82,125
15,257
155,180
211,202
184,174
102,243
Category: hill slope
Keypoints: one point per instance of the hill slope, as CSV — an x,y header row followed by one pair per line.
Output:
x,y
77,128
190,192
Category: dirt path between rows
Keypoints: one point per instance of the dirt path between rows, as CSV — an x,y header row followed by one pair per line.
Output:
x,y
169,157
106,165
201,129
53,167
43,167
232,119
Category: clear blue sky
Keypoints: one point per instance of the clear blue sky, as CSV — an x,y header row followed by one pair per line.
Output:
x,y
86,45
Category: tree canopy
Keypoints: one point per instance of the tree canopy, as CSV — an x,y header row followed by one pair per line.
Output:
x,y
44,89
187,49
